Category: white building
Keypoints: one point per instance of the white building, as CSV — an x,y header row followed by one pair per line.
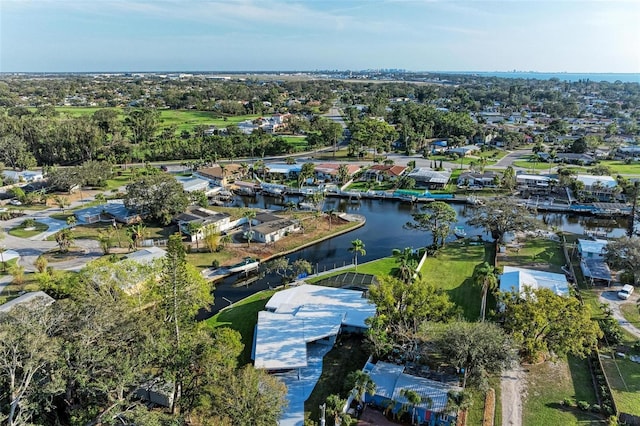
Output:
x,y
515,280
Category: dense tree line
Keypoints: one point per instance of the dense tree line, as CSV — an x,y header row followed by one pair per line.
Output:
x,y
81,360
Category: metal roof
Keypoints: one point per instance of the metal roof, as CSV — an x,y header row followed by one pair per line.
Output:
x,y
516,279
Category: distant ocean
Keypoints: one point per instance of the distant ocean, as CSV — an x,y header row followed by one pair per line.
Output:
x,y
562,76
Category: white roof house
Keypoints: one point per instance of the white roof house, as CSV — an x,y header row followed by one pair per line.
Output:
x,y
24,176
34,299
390,380
301,315
589,180
592,248
191,184
146,255
429,176
515,280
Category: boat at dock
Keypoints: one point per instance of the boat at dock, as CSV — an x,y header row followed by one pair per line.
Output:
x,y
247,264
459,232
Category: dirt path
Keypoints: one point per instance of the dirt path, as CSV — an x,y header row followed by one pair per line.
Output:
x,y
513,386
611,299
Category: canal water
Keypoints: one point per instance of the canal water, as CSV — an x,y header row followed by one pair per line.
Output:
x,y
384,231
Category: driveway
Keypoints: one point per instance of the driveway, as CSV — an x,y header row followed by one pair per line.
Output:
x,y
513,387
509,159
610,297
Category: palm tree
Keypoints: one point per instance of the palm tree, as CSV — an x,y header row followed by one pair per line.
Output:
x,y
138,232
100,198
406,263
413,400
485,277
334,408
357,247
249,215
330,213
362,384
194,228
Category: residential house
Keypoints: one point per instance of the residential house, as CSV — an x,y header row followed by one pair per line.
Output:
x,y
198,222
112,211
430,179
592,249
272,228
391,380
463,151
534,181
515,280
438,147
23,176
475,179
624,152
146,255
328,172
222,175
34,300
600,188
381,172
305,314
282,171
192,184
571,158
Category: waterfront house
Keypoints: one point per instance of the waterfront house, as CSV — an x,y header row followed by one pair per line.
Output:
x,y
274,230
391,380
197,222
192,184
381,172
328,172
592,249
298,316
600,188
483,180
429,178
222,175
526,181
514,279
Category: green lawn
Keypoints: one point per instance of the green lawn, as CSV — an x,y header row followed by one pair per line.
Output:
x,y
548,384
619,167
20,232
380,268
626,389
631,312
346,356
534,165
204,260
452,269
242,317
476,412
536,251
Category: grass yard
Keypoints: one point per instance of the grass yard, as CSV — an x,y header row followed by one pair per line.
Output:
x,y
20,231
631,313
204,260
452,270
298,143
619,167
535,252
242,317
476,412
548,384
626,389
346,356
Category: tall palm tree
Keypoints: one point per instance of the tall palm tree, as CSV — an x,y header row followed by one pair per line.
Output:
x,y
485,276
357,247
249,215
458,401
138,232
334,408
330,213
413,400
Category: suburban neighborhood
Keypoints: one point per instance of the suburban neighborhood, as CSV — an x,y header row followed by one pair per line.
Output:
x,y
312,250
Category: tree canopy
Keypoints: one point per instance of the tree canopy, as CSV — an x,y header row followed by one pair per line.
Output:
x,y
543,323
624,254
503,215
159,196
436,217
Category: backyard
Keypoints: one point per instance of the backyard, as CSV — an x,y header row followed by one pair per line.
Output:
x,y
624,377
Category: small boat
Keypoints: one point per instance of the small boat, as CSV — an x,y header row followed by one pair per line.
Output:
x,y
247,264
459,232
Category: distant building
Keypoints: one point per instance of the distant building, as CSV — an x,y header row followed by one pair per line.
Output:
x,y
430,179
381,172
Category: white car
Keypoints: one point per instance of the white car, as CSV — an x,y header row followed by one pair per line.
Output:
x,y
625,292
15,202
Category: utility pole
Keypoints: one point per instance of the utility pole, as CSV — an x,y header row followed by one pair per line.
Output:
x,y
632,221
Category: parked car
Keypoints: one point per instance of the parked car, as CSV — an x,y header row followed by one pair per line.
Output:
x,y
15,202
625,292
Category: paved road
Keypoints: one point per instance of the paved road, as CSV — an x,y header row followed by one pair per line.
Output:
x,y
510,158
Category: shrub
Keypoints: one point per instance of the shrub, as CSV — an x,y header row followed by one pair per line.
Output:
x,y
215,263
568,402
29,223
595,408
583,405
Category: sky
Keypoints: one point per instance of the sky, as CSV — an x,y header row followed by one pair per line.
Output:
x,y
252,35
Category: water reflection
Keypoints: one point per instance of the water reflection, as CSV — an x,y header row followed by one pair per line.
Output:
x,y
383,231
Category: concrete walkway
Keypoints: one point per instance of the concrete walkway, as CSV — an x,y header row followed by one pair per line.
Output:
x,y
5,280
299,389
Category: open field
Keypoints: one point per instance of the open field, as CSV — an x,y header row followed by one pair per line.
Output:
x,y
452,270
242,317
625,388
548,384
